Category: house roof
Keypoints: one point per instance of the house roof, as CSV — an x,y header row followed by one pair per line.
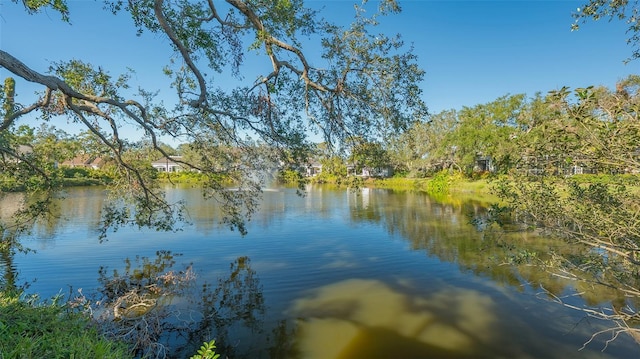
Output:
x,y
78,160
83,160
24,150
164,160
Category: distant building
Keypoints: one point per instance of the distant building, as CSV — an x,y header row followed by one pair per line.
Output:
x,y
24,150
483,164
168,164
21,151
84,161
313,169
384,172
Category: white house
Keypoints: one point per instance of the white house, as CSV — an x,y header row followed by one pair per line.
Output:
x,y
313,169
168,164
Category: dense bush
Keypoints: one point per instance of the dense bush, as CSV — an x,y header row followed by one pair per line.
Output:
x,y
76,172
289,177
439,184
622,179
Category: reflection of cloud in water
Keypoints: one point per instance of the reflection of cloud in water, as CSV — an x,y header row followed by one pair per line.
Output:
x,y
339,259
353,318
359,318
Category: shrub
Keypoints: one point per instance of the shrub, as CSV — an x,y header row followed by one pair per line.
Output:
x,y
289,176
606,179
439,184
76,172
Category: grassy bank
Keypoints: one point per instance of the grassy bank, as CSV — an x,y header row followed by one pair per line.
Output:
x,y
33,329
441,187
445,186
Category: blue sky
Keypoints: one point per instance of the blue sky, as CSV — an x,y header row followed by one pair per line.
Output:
x,y
472,51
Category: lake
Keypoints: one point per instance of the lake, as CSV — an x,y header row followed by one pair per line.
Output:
x,y
367,273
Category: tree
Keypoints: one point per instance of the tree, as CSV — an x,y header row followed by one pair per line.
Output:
x,y
454,139
333,166
408,149
368,154
592,128
54,145
90,144
365,85
599,129
484,130
427,142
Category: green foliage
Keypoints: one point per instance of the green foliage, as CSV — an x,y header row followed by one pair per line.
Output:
x,y
396,182
207,351
10,184
334,165
290,176
369,154
34,6
187,177
601,217
455,139
85,78
589,129
33,329
82,181
607,179
523,257
76,172
439,185
7,97
366,85
486,130
327,177
352,182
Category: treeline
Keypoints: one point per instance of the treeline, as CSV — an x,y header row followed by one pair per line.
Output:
x,y
587,130
73,159
581,131
591,130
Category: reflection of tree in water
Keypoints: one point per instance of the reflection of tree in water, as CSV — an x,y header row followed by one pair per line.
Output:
x,y
366,318
144,305
282,343
8,281
233,312
135,304
235,306
460,232
14,221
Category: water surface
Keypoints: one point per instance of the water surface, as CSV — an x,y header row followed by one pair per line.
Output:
x,y
340,274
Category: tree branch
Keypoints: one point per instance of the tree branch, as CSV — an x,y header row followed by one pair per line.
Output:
x,y
202,99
